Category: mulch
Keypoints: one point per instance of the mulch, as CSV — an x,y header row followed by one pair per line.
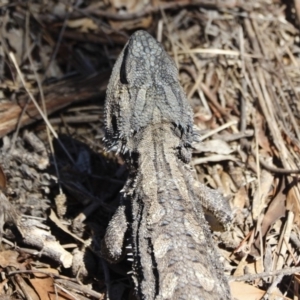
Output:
x,y
239,64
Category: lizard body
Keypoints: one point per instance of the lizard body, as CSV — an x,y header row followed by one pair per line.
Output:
x,y
149,120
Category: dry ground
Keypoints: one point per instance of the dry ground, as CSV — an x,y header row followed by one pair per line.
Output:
x,y
239,65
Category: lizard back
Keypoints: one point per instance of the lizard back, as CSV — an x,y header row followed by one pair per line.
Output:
x,y
150,121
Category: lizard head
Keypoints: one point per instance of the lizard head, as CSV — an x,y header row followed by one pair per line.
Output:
x,y
144,90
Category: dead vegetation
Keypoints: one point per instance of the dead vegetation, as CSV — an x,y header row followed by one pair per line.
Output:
x,y
239,65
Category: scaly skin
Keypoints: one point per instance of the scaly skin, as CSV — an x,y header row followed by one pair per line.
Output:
x,y
150,121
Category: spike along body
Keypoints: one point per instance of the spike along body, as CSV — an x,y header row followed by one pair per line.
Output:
x,y
149,120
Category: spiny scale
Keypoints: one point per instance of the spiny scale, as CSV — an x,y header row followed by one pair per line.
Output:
x,y
147,114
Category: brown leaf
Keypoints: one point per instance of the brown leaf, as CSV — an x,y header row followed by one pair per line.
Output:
x,y
275,211
292,203
262,194
43,275
213,146
2,285
45,289
243,291
8,258
83,24
259,124
240,198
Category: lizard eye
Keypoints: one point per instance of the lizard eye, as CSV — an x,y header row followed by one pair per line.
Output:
x,y
123,78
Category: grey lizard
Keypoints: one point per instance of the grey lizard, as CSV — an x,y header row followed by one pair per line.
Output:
x,y
150,122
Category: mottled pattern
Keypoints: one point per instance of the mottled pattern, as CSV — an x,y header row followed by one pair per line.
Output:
x,y
149,120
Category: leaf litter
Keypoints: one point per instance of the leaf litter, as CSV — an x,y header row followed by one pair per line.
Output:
x,y
239,66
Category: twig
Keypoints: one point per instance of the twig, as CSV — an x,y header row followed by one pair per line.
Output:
x,y
275,169
53,56
250,277
82,288
166,6
27,41
220,128
12,57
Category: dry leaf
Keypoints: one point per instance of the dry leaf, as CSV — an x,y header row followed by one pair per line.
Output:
x,y
213,146
261,195
47,270
275,211
45,289
59,224
228,185
2,285
83,24
240,197
259,123
144,22
8,258
292,203
243,291
15,39
255,267
239,271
